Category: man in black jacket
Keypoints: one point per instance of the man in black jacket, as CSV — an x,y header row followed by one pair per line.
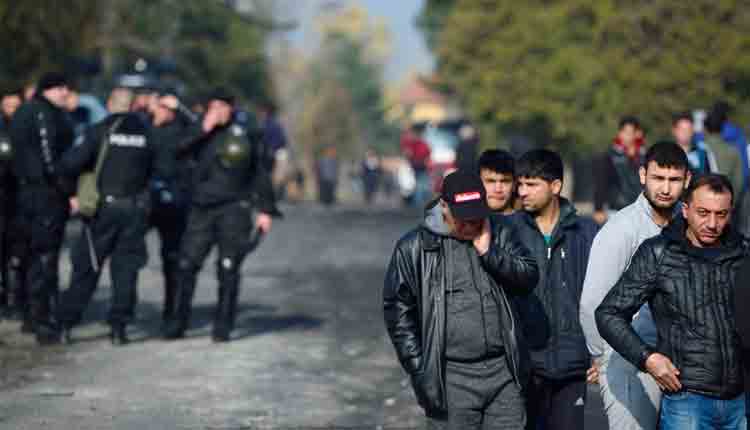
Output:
x,y
41,132
170,189
12,298
448,312
229,182
119,226
616,173
560,241
687,275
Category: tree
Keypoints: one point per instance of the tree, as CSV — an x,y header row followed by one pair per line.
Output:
x,y
347,72
206,42
576,66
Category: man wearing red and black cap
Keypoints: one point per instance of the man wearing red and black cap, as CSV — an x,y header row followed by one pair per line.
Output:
x,y
447,309
40,133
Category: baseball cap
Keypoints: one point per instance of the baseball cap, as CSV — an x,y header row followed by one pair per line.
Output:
x,y
465,195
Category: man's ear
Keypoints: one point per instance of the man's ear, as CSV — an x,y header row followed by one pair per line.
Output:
x,y
556,186
684,209
642,175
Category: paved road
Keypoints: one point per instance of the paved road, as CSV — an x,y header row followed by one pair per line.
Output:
x,y
310,349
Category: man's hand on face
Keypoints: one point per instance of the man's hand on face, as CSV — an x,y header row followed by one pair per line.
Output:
x,y
482,242
664,372
210,121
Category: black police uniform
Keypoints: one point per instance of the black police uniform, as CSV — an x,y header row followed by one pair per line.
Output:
x,y
170,194
119,227
15,236
7,299
229,182
41,133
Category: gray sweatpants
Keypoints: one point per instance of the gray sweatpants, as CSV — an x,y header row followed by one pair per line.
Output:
x,y
631,397
481,396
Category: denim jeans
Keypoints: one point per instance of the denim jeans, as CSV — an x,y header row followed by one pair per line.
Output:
x,y
690,411
631,397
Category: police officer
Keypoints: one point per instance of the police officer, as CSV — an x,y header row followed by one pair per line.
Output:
x,y
170,190
118,228
229,182
8,294
41,133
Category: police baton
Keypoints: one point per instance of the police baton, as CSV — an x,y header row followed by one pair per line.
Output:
x,y
92,249
256,237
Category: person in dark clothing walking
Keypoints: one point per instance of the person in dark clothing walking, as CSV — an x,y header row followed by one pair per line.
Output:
x,y
118,228
447,307
371,172
230,182
560,242
688,276
10,296
170,189
616,174
40,133
328,176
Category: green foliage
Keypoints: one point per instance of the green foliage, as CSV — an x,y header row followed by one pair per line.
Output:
x,y
208,42
432,17
580,65
343,91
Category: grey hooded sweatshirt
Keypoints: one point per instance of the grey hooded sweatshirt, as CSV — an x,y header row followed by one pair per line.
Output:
x,y
611,252
473,331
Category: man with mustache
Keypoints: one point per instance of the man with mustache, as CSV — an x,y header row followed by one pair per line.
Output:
x,y
687,275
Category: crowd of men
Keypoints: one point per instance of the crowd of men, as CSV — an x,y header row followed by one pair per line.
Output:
x,y
505,302
199,181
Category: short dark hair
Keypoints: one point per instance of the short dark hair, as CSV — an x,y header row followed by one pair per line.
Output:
x,y
629,120
540,163
714,122
667,154
682,116
498,161
717,183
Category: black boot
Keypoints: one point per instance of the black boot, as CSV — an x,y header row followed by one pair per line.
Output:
x,y
169,292
179,319
119,335
226,308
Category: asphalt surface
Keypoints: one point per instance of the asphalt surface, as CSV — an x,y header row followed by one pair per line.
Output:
x,y
309,351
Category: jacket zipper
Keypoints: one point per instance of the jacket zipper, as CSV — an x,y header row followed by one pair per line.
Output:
x,y
474,275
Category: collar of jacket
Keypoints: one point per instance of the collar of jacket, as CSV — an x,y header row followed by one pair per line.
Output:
x,y
732,243
568,217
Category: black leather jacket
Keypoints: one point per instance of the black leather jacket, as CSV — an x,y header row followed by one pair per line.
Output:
x,y
691,295
414,305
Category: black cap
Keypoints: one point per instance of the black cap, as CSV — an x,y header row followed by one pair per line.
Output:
x,y
51,80
465,195
222,94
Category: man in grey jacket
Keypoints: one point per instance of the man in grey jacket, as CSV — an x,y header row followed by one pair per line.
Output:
x,y
631,398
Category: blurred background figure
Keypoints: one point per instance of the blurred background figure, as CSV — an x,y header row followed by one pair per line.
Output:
x,y
418,152
617,181
328,174
371,173
468,148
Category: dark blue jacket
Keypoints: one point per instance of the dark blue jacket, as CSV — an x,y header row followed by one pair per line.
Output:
x,y
550,314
